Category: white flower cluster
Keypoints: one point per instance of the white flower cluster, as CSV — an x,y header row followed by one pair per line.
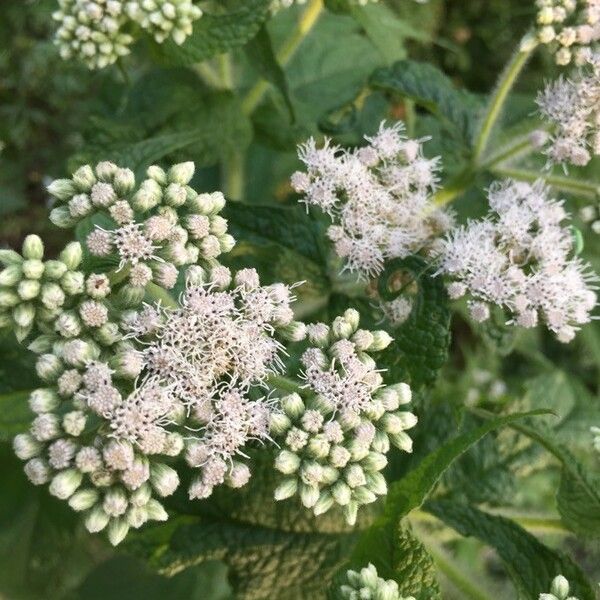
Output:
x,y
559,590
334,442
572,107
159,227
519,257
378,196
33,289
98,31
367,585
570,28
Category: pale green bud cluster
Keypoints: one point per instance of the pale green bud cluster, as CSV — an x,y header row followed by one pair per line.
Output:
x,y
559,590
335,441
33,290
159,226
92,31
165,19
99,32
367,585
570,29
596,441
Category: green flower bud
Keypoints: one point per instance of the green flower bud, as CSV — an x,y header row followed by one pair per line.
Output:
x,y
351,512
124,181
362,339
341,493
560,587
24,314
61,217
294,332
402,440
226,243
117,530
148,196
96,520
26,446
108,334
287,462
164,479
182,173
43,400
64,484
156,511
195,275
155,172
28,289
374,461
54,269
33,269
10,257
142,495
136,516
33,248
130,296
42,344
324,503
72,255
309,495
218,226
49,367
5,320
381,442
279,423
105,171
341,329
286,489
11,275
352,316
369,577
8,299
62,189
52,296
84,178
83,499
218,202
381,340
318,446
403,391
376,483
175,195
73,283
293,405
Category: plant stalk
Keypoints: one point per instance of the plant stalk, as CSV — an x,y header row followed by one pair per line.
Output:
x,y
307,21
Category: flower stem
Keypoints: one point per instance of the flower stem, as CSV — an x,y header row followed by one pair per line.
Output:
x,y
161,295
233,169
285,384
494,109
304,26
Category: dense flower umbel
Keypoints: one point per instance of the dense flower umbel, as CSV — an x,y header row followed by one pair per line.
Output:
x,y
520,258
367,585
559,590
378,196
96,31
570,28
157,227
33,289
334,441
572,107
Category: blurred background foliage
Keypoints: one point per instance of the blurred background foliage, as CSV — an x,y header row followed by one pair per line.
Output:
x,y
56,114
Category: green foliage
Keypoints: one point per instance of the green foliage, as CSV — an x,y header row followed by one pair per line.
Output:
x,y
421,343
530,564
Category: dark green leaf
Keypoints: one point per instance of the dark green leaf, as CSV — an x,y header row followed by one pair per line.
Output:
x,y
531,565
420,346
216,33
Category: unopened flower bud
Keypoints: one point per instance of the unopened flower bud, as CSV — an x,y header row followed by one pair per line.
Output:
x,y
287,462
96,520
164,479
286,489
62,189
33,248
83,499
26,446
84,178
123,181
11,275
65,483
117,531
72,255
181,173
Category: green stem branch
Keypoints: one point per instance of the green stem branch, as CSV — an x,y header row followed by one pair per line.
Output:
x,y
307,21
285,384
494,110
161,295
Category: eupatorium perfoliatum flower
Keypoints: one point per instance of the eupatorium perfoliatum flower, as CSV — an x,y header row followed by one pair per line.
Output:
x,y
138,384
520,257
99,32
335,437
378,197
572,107
570,28
367,585
559,590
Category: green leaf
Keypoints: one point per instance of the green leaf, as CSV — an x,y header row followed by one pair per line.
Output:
x,y
263,562
530,564
216,33
261,54
433,90
420,346
397,554
411,491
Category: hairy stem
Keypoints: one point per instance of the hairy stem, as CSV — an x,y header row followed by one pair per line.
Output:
x,y
285,384
226,71
494,109
305,24
233,175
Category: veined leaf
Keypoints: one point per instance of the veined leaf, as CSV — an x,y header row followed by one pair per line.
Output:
x,y
530,564
420,346
215,33
412,490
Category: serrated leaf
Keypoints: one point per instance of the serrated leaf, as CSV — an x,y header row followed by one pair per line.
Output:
x,y
262,56
397,554
531,565
263,563
420,346
433,90
412,490
216,33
